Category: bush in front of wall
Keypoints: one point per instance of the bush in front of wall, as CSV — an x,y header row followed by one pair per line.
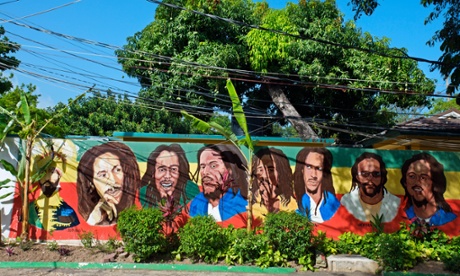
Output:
x,y
291,234
202,239
246,247
141,232
396,252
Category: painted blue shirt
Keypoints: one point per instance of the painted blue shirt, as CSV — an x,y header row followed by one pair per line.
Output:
x,y
229,205
328,206
439,218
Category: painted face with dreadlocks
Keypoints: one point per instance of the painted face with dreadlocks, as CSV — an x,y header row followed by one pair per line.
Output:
x,y
212,172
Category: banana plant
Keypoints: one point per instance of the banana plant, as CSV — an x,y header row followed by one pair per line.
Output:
x,y
28,133
246,141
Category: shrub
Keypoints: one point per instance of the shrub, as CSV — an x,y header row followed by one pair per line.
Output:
x,y
290,234
141,232
109,246
452,262
87,239
349,243
397,253
63,251
246,247
203,239
52,245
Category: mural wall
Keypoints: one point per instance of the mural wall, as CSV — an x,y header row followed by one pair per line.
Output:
x,y
87,183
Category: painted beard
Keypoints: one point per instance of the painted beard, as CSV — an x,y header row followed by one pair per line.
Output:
x,y
313,191
370,189
48,188
419,203
214,194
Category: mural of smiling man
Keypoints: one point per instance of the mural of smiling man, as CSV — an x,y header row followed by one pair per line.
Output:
x,y
107,180
167,175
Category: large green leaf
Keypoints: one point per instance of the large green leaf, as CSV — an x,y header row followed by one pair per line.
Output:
x,y
239,113
25,108
197,123
9,167
5,195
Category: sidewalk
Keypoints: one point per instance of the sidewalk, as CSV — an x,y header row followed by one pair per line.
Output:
x,y
340,265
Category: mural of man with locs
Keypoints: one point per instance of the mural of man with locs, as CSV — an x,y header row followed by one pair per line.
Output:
x,y
272,179
313,184
368,197
424,183
167,175
222,170
107,180
49,211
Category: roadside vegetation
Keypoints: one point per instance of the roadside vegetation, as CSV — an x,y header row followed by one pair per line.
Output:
x,y
286,239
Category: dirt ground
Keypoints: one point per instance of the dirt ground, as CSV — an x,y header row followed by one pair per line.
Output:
x,y
42,253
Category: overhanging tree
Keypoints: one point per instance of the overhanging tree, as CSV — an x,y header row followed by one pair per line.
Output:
x,y
314,70
448,37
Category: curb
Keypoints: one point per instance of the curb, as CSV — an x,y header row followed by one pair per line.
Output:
x,y
140,266
413,274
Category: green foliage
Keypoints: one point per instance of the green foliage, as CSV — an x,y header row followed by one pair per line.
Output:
x,y
117,113
377,223
109,246
52,245
395,252
25,244
141,232
349,243
87,239
441,105
198,46
269,257
291,234
447,36
248,248
203,239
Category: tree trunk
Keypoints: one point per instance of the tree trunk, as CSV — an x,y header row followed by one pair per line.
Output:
x,y
250,195
284,105
25,203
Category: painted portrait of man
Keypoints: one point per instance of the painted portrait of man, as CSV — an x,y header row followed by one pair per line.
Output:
x,y
167,175
222,170
272,179
368,198
424,184
107,180
313,184
48,210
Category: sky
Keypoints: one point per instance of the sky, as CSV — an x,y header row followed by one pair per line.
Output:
x,y
68,46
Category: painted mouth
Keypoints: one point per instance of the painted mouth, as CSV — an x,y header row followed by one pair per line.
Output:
x,y
114,192
166,185
417,189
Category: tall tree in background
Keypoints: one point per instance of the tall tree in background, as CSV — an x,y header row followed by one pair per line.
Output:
x,y
448,36
315,71
100,114
7,61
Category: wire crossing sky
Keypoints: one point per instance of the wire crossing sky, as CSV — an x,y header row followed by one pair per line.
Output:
x,y
68,46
